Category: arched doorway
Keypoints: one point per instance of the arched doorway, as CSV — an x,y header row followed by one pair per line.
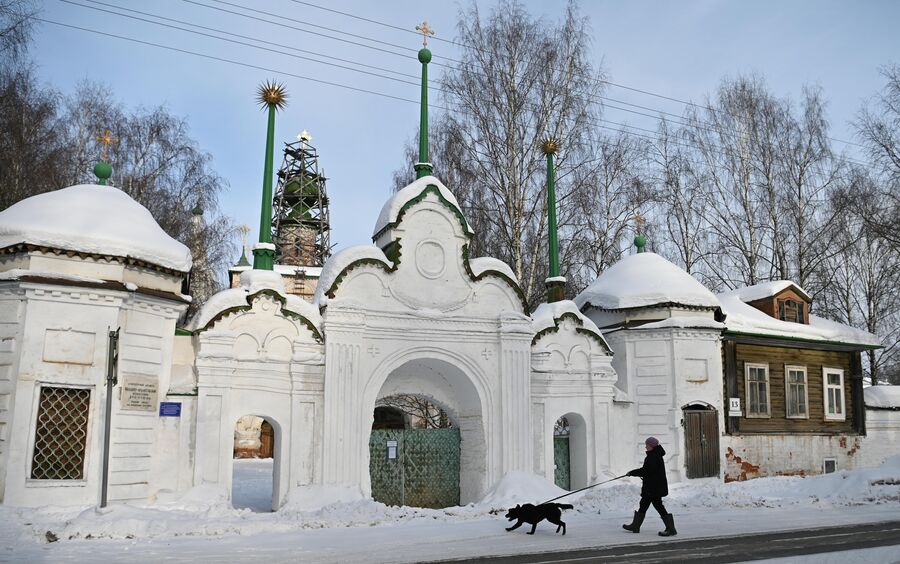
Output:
x,y
253,465
570,452
701,440
438,458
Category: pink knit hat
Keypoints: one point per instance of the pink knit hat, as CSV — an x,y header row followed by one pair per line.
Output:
x,y
652,442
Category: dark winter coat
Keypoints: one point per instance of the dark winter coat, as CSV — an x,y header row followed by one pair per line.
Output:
x,y
653,473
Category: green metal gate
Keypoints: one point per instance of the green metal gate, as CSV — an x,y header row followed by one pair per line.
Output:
x,y
415,467
562,474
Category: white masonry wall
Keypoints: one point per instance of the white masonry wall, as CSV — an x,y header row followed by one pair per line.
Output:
x,y
661,371
61,340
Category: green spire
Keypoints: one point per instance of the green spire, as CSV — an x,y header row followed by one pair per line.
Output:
x,y
555,287
243,261
640,241
273,97
423,167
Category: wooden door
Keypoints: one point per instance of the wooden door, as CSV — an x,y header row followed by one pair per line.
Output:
x,y
267,440
701,442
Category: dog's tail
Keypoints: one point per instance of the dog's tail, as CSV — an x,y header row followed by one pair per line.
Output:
x,y
565,506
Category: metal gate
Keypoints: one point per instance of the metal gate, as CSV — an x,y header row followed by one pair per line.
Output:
x,y
415,467
701,441
562,473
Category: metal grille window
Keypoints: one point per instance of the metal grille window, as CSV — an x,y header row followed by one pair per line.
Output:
x,y
61,434
757,390
795,386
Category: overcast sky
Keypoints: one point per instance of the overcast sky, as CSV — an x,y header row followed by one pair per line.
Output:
x,y
677,49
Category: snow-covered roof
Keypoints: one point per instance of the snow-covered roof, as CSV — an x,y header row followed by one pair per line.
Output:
x,y
546,314
882,397
395,203
481,264
644,280
743,318
767,290
252,282
92,219
341,260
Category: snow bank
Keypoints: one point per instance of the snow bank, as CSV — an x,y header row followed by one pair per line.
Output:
x,y
341,260
315,497
204,511
520,487
392,207
253,281
643,280
885,397
92,219
743,318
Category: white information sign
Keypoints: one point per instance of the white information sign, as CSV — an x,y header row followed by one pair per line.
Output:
x,y
734,407
139,393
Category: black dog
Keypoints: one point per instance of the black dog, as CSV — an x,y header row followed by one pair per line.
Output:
x,y
534,514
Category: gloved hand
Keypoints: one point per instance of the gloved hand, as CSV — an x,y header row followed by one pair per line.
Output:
x,y
631,473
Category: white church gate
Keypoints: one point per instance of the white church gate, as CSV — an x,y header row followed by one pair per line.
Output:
x,y
259,353
415,315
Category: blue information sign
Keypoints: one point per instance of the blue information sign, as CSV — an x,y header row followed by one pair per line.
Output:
x,y
170,409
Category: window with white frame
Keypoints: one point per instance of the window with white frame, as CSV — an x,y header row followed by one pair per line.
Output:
x,y
833,383
795,392
757,388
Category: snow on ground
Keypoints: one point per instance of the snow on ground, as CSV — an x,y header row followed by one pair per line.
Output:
x,y
202,524
251,484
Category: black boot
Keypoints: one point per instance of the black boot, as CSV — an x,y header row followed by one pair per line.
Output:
x,y
670,531
635,526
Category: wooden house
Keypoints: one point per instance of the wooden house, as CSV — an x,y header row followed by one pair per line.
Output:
x,y
793,384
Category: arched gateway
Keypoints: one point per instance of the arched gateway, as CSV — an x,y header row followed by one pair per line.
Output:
x,y
412,314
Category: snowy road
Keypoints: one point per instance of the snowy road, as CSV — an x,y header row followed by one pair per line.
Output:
x,y
874,539
422,541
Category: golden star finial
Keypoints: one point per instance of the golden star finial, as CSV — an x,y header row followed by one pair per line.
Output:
x,y
272,93
550,146
426,31
106,139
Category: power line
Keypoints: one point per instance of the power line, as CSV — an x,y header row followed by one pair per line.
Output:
x,y
224,60
234,41
299,50
718,149
595,121
609,82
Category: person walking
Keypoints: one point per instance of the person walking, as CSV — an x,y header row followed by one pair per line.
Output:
x,y
654,488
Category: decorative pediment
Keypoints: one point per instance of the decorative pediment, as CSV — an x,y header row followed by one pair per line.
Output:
x,y
421,263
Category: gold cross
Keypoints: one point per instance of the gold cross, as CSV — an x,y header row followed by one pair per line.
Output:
x,y
639,222
426,31
106,139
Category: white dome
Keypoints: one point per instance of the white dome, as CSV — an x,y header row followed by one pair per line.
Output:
x,y
645,280
93,219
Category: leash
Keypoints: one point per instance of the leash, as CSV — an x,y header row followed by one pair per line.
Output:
x,y
584,488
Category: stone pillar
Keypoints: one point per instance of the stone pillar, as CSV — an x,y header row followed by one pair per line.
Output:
x,y
516,441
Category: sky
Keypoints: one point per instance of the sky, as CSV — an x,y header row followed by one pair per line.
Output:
x,y
680,50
